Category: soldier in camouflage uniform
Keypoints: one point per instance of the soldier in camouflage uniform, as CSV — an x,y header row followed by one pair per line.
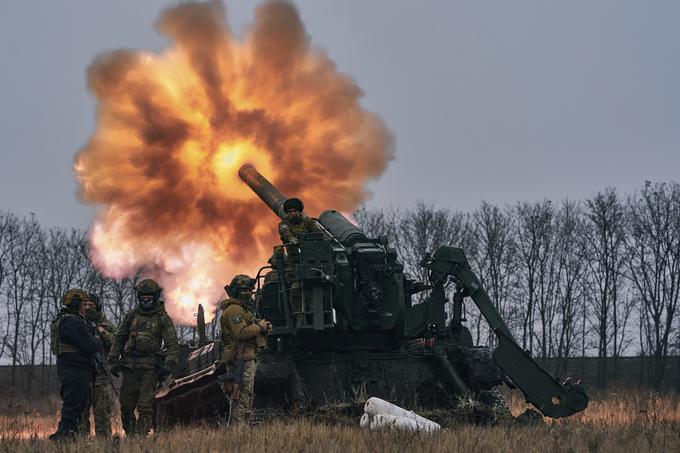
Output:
x,y
137,351
243,337
101,395
296,222
74,345
291,228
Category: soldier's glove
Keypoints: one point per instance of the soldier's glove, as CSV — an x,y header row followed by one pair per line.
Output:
x,y
265,326
115,370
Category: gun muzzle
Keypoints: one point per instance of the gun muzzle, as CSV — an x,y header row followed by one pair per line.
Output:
x,y
263,188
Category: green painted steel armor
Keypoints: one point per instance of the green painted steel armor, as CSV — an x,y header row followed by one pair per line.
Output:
x,y
348,320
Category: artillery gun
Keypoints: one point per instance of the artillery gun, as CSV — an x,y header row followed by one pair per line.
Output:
x,y
361,330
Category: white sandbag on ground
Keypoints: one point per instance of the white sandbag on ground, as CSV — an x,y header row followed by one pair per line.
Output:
x,y
379,413
382,421
375,406
365,421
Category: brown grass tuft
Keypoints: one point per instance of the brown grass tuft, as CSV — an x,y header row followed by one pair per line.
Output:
x,y
618,422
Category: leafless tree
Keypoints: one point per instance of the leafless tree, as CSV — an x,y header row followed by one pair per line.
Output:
x,y
605,256
24,239
378,222
654,245
7,226
570,290
424,228
120,297
496,261
538,271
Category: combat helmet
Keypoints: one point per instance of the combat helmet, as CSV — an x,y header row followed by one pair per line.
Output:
x,y
293,203
239,282
96,301
148,287
73,297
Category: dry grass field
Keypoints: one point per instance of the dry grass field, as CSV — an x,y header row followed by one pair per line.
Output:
x,y
623,421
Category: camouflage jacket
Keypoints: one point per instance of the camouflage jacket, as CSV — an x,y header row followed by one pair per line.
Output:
x,y
141,336
290,231
107,332
239,326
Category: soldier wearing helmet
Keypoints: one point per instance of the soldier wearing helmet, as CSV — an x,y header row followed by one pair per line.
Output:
x,y
291,228
296,222
138,351
243,337
74,345
101,396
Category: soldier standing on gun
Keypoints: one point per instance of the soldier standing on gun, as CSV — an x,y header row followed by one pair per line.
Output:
x,y
243,337
137,351
291,228
101,395
74,345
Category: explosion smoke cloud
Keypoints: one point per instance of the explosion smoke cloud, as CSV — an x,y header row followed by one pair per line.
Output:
x,y
174,128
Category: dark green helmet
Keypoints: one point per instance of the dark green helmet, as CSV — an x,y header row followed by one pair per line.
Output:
x,y
293,203
73,297
239,283
96,301
148,287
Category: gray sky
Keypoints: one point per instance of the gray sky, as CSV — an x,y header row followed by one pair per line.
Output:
x,y
494,100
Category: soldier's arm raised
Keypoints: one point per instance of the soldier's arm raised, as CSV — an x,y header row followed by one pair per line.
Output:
x,y
170,340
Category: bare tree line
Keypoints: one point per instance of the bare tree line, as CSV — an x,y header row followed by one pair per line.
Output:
x,y
37,265
598,277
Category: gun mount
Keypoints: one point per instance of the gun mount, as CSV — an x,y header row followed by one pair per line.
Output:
x,y
366,325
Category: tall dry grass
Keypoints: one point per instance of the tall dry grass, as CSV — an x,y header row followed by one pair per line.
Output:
x,y
617,422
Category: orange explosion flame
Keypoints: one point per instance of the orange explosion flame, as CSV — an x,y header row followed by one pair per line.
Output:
x,y
174,128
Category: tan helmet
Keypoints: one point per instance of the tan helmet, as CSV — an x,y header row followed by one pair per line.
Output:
x,y
241,281
73,297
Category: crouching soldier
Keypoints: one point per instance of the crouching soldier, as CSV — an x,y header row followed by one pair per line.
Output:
x,y
137,352
243,337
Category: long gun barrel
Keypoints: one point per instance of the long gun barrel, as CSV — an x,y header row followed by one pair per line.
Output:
x,y
334,223
263,188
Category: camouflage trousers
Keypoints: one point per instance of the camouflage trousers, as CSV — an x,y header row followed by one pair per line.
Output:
x,y
241,409
137,392
101,402
295,291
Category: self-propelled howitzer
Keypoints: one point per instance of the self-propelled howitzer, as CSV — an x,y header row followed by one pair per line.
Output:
x,y
365,326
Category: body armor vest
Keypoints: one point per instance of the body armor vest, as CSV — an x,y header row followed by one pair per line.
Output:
x,y
145,334
56,345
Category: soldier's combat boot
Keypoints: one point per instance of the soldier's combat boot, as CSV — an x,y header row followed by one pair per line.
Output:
x,y
62,433
143,425
128,423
